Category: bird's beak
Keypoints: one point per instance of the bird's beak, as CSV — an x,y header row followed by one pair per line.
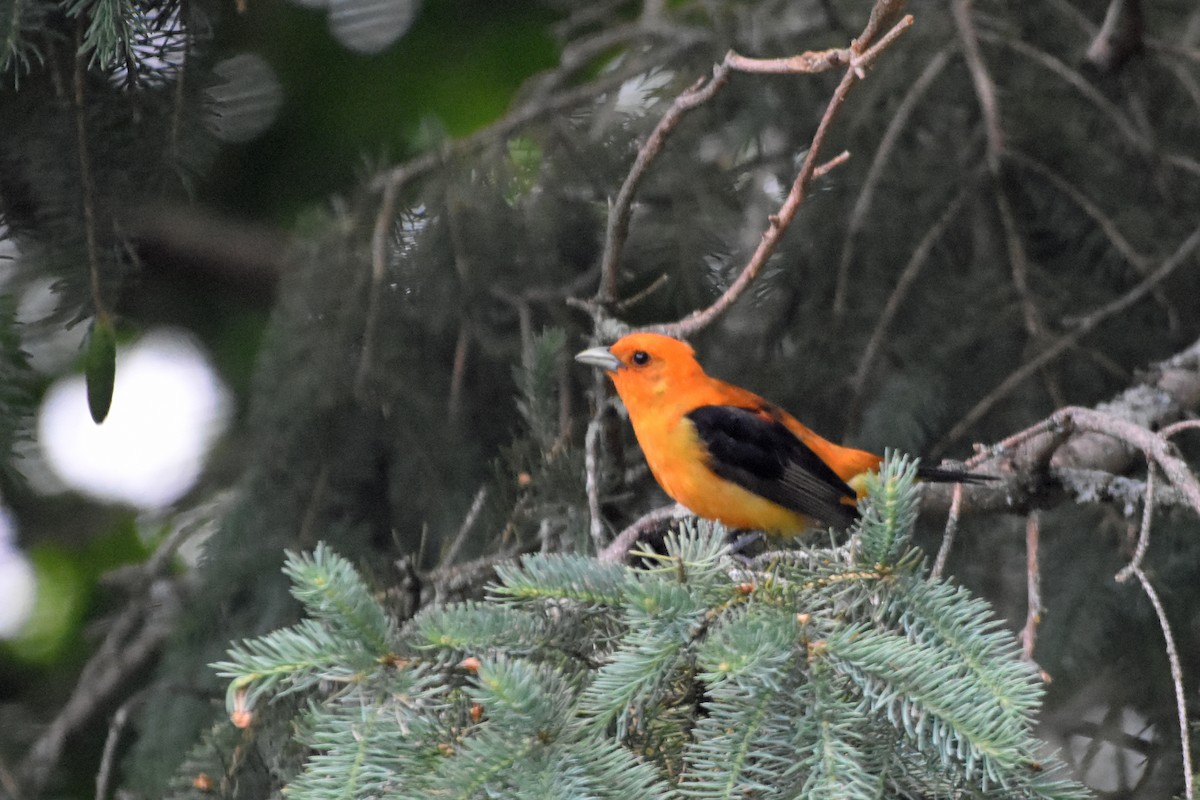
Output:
x,y
599,357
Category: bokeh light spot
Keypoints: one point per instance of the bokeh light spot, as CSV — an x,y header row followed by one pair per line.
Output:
x,y
18,585
168,407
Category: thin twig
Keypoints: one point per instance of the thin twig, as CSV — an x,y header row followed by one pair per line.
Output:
x,y
1121,35
379,240
1143,542
8,782
1018,260
1075,79
985,88
943,554
591,461
468,522
308,535
1177,427
620,546
618,216
985,92
832,164
116,727
1140,262
86,179
1033,591
1063,343
1185,744
654,286
458,373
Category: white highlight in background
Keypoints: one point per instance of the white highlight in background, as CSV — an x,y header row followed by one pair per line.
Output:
x,y
168,407
18,584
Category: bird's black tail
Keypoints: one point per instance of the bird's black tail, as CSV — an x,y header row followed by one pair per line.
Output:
x,y
938,475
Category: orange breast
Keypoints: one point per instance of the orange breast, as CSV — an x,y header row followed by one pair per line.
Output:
x,y
676,458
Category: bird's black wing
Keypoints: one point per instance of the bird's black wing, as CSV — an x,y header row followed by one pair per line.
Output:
x,y
753,449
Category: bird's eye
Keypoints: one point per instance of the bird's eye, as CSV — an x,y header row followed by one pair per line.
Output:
x,y
641,358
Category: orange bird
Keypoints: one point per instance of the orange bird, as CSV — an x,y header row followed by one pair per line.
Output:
x,y
727,454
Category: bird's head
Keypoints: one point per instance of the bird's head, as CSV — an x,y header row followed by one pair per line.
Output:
x,y
644,364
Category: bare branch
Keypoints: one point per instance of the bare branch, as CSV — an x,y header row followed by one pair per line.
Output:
x,y
1087,464
1158,450
1033,593
779,222
813,61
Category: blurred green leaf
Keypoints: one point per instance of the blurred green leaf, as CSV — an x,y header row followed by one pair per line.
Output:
x,y
62,591
100,367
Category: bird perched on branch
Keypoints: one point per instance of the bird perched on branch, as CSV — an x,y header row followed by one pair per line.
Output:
x,y
729,455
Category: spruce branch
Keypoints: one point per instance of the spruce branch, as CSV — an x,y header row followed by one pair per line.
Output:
x,y
840,761
286,661
19,22
552,98
745,738
565,577
112,26
693,676
333,594
661,620
477,629
886,522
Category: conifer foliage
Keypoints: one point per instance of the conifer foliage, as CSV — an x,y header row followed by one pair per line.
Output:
x,y
829,671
